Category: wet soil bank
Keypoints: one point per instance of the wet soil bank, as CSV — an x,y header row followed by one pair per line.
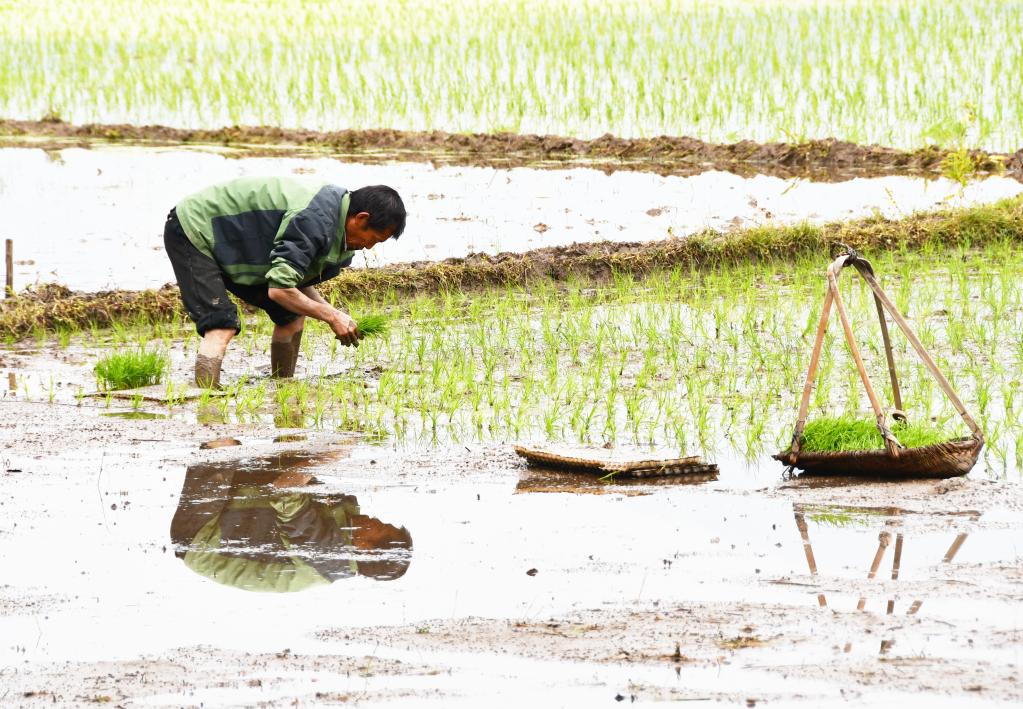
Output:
x,y
819,160
171,679
54,307
871,658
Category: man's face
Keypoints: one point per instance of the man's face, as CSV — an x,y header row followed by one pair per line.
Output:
x,y
359,235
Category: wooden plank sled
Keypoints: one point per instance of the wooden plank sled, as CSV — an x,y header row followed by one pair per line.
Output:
x,y
605,465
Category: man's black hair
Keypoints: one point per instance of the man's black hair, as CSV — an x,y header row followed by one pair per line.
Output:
x,y
384,206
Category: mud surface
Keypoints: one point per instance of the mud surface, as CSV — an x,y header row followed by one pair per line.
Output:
x,y
520,589
209,676
819,160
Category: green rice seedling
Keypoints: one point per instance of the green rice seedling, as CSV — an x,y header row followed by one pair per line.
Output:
x,y
204,399
127,370
173,394
959,166
845,433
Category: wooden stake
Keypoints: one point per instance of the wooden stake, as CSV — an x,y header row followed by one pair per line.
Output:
x,y
9,288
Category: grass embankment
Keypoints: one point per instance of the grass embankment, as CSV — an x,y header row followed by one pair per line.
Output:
x,y
845,433
862,71
55,308
820,160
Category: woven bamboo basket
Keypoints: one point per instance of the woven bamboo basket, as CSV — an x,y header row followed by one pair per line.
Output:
x,y
942,460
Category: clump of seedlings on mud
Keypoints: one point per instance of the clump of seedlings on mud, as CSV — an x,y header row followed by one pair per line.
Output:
x,y
131,369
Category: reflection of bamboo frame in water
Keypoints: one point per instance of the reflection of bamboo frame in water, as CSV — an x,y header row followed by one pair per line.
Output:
x,y
884,540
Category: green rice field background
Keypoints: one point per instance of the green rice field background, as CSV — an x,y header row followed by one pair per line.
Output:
x,y
904,73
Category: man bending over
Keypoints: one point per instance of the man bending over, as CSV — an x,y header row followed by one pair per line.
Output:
x,y
269,241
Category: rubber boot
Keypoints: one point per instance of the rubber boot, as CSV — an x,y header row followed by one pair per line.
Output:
x,y
296,350
207,371
280,360
283,356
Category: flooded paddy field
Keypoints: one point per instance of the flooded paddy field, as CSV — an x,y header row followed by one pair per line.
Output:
x,y
365,534
89,220
519,583
570,279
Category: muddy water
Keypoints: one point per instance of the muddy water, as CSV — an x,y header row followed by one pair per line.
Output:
x,y
93,219
120,553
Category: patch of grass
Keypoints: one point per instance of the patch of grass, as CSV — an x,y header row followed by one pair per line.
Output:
x,y
959,166
845,433
127,370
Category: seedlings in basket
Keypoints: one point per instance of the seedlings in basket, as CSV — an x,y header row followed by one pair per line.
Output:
x,y
127,370
845,433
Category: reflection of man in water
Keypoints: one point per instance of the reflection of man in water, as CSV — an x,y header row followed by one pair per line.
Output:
x,y
243,524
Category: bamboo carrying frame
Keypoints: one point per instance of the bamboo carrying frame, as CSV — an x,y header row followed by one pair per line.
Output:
x,y
940,460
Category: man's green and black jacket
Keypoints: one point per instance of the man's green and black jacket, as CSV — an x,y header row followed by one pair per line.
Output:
x,y
277,231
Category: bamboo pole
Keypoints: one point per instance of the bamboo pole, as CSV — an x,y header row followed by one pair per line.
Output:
x,y
890,442
924,356
9,283
896,564
811,373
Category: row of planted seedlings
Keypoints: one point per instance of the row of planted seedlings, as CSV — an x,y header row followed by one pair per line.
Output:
x,y
569,67
701,362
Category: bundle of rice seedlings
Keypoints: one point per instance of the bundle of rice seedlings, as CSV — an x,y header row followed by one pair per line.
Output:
x,y
371,325
845,433
127,370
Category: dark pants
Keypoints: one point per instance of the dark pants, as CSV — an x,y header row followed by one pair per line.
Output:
x,y
204,287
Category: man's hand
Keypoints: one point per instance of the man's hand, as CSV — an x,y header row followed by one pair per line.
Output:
x,y
345,329
307,301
